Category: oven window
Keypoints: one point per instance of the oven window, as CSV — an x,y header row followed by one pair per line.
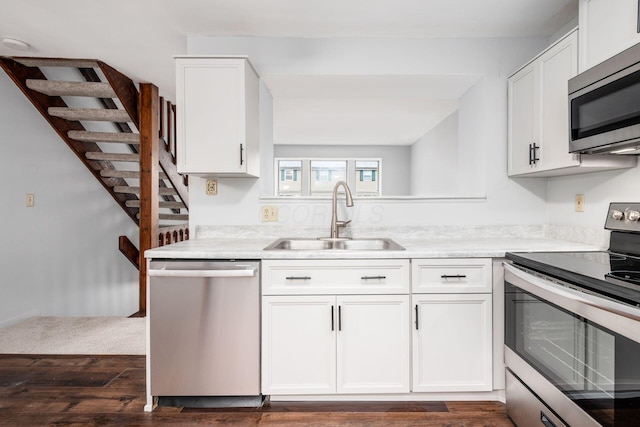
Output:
x,y
595,367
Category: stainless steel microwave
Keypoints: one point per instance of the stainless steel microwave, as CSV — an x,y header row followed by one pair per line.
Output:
x,y
604,106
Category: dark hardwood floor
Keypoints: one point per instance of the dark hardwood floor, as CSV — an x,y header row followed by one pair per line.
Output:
x,y
110,390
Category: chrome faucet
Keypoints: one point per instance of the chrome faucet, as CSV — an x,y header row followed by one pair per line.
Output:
x,y
335,224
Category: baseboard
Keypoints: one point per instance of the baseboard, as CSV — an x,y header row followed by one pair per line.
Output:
x,y
19,318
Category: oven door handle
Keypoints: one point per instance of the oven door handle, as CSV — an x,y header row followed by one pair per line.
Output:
x,y
569,294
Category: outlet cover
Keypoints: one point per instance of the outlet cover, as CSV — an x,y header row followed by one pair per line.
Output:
x,y
212,187
269,214
29,200
579,202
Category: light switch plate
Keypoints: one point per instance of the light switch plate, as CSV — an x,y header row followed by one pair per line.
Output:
x,y
29,200
211,187
579,202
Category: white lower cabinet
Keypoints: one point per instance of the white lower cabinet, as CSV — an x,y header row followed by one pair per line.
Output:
x,y
452,325
373,344
452,344
298,345
345,326
335,344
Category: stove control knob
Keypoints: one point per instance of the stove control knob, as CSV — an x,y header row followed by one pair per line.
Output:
x,y
633,215
617,215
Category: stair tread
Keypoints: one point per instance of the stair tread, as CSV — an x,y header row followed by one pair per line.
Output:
x,y
91,114
88,136
116,157
113,173
162,204
136,190
172,217
63,88
57,62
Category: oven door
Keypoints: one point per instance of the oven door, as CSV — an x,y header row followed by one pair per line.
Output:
x,y
577,352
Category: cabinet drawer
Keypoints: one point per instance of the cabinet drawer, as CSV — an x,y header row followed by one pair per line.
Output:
x,y
380,276
469,275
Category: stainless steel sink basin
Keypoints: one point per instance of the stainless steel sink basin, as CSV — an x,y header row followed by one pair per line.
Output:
x,y
323,244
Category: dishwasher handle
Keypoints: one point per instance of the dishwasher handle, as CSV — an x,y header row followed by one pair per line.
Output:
x,y
203,273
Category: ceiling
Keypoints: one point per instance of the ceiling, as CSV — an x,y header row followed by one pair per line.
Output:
x,y
140,37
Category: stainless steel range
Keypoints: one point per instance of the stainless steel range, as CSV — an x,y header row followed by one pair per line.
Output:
x,y
572,331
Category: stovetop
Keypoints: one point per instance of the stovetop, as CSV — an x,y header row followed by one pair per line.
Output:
x,y
613,274
609,274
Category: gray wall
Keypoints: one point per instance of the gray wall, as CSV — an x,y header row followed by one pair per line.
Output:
x,y
61,256
396,176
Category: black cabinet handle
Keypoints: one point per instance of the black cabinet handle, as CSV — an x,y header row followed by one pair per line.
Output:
x,y
535,149
417,327
298,278
332,320
453,276
546,421
339,318
530,154
638,18
373,277
241,150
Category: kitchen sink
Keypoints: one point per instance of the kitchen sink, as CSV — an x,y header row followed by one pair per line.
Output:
x,y
322,244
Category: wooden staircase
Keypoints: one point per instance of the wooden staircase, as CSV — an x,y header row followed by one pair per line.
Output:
x,y
124,137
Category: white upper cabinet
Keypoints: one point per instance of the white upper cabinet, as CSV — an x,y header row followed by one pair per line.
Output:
x,y
538,117
217,116
606,28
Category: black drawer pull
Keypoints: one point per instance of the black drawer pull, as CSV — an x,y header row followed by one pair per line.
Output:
x,y
373,277
339,318
417,327
298,278
453,276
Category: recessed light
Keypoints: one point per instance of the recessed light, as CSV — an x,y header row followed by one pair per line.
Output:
x,y
15,44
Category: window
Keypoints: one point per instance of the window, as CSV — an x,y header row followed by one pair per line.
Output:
x,y
289,178
317,177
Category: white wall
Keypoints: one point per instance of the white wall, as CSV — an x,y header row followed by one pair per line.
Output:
x,y
505,201
434,157
60,257
599,190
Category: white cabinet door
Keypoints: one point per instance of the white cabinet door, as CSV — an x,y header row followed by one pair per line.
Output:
x,y
452,345
373,344
298,345
217,116
523,102
556,67
538,126
606,28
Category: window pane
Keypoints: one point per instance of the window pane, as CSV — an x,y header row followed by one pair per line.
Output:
x,y
289,177
367,178
325,174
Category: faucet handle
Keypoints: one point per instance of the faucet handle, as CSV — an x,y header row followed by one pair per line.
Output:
x,y
343,223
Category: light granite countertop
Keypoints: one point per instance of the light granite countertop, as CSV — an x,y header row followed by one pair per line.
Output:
x,y
253,248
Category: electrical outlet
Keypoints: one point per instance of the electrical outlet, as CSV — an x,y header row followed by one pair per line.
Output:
x,y
579,202
212,187
29,200
269,214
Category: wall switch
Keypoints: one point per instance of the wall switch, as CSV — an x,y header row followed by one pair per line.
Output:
x,y
579,202
269,214
29,200
212,187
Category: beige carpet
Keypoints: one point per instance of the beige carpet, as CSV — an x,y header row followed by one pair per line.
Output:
x,y
75,335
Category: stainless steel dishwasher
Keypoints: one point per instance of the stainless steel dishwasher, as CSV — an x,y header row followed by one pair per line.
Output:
x,y
204,321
